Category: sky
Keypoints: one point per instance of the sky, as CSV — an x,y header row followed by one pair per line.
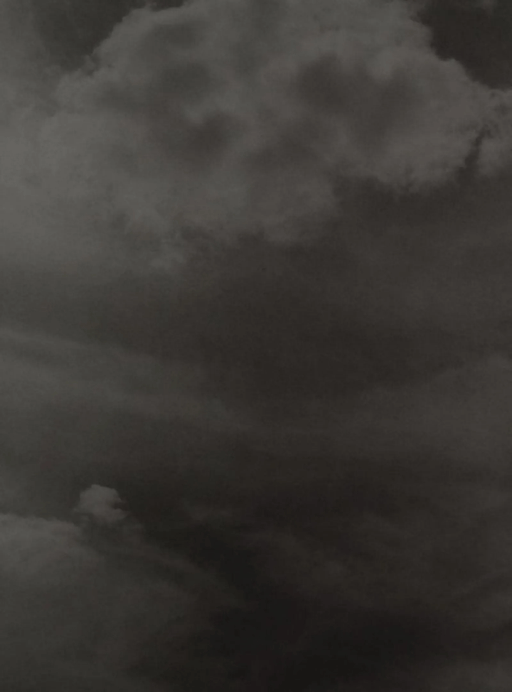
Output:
x,y
255,344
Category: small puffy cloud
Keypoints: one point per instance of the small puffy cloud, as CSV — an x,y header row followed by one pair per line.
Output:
x,y
101,516
101,505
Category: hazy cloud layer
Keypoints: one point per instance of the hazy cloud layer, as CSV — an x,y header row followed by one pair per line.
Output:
x,y
80,617
376,506
254,264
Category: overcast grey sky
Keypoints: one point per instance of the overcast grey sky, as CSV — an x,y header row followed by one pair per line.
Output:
x,y
255,256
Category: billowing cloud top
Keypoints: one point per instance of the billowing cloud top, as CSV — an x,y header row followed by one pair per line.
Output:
x,y
238,117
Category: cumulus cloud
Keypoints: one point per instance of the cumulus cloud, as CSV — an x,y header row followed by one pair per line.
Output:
x,y
229,118
233,117
101,505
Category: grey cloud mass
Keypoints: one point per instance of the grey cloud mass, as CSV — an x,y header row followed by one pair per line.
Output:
x,y
255,345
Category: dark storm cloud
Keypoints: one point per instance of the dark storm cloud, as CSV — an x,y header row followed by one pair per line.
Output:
x,y
180,133
323,424
170,132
